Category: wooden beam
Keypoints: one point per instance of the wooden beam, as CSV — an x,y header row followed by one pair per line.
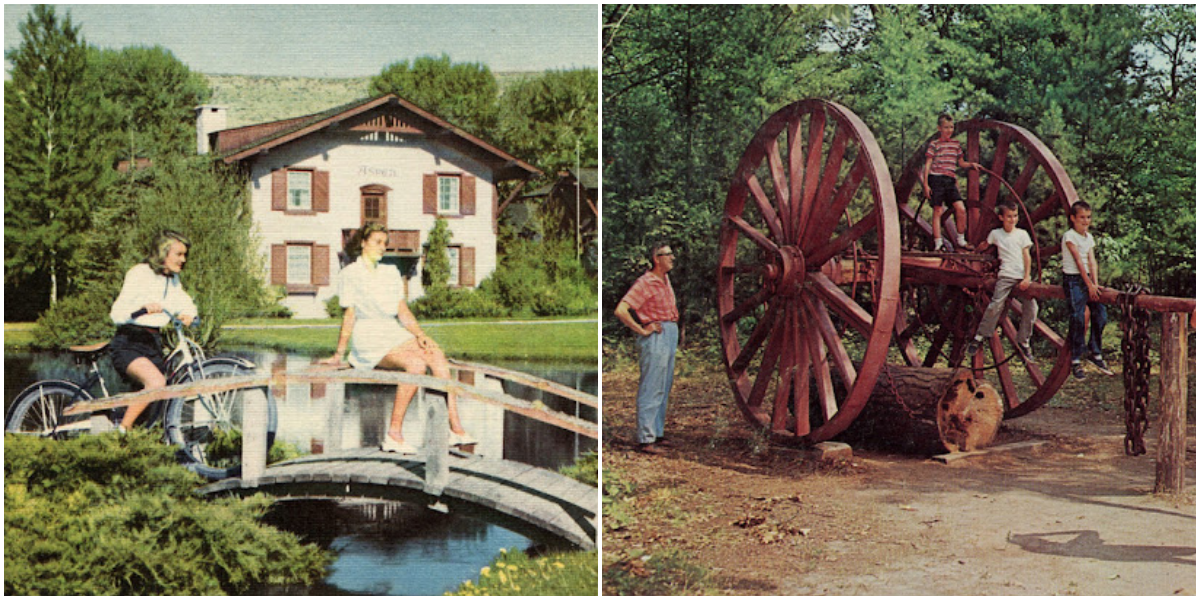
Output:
x,y
1170,466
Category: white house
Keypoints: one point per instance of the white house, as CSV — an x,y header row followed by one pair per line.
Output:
x,y
315,179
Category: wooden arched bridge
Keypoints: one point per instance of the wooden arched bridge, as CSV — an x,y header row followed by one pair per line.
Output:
x,y
541,504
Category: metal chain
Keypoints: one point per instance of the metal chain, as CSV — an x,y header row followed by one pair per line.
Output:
x,y
1135,355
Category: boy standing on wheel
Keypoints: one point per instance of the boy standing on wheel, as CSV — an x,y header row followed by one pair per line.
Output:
x,y
940,180
1012,245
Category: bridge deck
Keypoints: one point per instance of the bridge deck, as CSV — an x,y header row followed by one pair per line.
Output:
x,y
494,489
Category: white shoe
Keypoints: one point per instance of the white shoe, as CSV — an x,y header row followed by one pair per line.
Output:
x,y
463,439
962,241
391,445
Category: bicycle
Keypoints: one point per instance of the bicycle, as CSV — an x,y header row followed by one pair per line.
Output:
x,y
206,427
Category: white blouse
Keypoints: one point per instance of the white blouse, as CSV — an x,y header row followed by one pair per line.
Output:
x,y
373,293
143,286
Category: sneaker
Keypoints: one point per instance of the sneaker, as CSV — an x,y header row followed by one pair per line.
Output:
x,y
937,245
1077,370
400,447
1026,352
1101,366
961,241
462,439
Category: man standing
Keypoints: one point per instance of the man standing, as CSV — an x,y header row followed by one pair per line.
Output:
x,y
653,299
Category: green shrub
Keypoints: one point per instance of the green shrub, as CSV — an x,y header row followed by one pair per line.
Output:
x,y
75,320
586,469
516,574
456,303
333,307
115,515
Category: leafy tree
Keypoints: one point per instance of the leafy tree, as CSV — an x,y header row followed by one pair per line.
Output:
x,y
462,93
115,515
552,117
155,96
56,167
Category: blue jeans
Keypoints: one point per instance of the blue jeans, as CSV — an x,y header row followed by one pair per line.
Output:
x,y
1077,299
657,365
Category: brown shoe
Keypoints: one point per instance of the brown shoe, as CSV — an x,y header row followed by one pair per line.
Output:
x,y
665,443
651,448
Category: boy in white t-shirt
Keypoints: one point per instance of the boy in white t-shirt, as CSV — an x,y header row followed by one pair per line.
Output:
x,y
1081,282
1013,246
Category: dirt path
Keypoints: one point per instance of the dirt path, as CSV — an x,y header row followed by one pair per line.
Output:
x,y
1074,516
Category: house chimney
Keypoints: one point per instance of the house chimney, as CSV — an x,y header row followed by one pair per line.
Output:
x,y
210,119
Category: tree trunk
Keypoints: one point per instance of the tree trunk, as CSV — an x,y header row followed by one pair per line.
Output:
x,y
927,411
1172,429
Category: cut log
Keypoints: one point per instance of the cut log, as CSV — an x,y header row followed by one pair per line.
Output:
x,y
927,411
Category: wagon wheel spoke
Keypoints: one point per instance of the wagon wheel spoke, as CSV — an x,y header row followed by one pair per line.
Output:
x,y
999,160
819,316
787,369
821,373
1003,371
839,244
769,215
748,305
766,369
840,303
754,342
825,216
779,180
755,235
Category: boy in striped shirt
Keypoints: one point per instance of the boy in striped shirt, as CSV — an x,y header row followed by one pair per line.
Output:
x,y
940,183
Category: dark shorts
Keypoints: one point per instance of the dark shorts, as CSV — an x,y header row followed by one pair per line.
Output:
x,y
943,190
133,342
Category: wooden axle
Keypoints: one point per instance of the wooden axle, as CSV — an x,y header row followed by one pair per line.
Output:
x,y
967,270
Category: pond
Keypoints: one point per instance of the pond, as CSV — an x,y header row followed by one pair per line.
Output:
x,y
384,548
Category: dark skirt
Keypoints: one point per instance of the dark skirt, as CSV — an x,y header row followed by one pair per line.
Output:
x,y
133,342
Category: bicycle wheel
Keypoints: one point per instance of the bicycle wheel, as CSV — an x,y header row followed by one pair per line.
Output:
x,y
208,427
37,410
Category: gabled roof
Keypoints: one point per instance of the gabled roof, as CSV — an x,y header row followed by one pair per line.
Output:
x,y
235,145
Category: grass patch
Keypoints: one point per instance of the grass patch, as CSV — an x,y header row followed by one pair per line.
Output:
x,y
665,573
513,573
470,340
18,336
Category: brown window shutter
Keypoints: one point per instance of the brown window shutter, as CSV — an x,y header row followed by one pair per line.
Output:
x,y
278,390
279,189
278,264
320,191
318,389
430,195
466,195
320,265
466,267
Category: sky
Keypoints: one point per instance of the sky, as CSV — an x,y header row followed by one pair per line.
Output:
x,y
337,40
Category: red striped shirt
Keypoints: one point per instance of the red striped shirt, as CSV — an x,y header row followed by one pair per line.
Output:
x,y
945,155
653,298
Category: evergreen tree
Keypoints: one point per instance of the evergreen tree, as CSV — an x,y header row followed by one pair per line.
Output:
x,y
435,272
55,167
551,118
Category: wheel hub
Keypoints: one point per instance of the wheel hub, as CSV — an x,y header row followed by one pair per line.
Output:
x,y
788,271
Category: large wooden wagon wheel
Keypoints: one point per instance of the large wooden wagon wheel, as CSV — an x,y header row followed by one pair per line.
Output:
x,y
802,344
941,312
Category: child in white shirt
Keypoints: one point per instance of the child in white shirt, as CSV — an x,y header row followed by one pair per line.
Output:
x,y
1013,246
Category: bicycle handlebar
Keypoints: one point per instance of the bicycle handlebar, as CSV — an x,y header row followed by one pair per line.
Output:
x,y
174,319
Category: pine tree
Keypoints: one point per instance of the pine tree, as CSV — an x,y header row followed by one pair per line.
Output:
x,y
435,274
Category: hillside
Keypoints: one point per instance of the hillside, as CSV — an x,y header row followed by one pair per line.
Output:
x,y
253,100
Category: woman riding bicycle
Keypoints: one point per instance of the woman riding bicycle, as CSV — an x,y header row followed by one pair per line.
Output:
x,y
383,333
150,288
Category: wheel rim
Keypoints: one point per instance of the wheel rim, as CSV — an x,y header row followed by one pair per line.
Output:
x,y
938,319
208,427
40,410
811,190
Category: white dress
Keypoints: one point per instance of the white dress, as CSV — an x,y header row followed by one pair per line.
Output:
x,y
375,295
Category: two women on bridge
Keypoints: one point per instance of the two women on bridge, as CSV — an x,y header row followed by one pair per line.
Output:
x,y
381,332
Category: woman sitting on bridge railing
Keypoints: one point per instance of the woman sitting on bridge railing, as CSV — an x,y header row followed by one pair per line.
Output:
x,y
150,287
383,333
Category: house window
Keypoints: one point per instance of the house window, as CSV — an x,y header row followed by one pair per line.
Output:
x,y
299,190
448,195
453,253
299,264
371,212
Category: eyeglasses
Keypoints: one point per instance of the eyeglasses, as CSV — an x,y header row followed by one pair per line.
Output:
x,y
665,254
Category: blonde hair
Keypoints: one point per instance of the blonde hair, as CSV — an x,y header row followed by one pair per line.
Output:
x,y
161,247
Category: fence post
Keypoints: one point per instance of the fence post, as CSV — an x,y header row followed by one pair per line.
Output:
x,y
254,433
437,442
1172,430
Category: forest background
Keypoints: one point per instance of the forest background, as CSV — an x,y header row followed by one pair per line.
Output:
x,y
1110,89
74,223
